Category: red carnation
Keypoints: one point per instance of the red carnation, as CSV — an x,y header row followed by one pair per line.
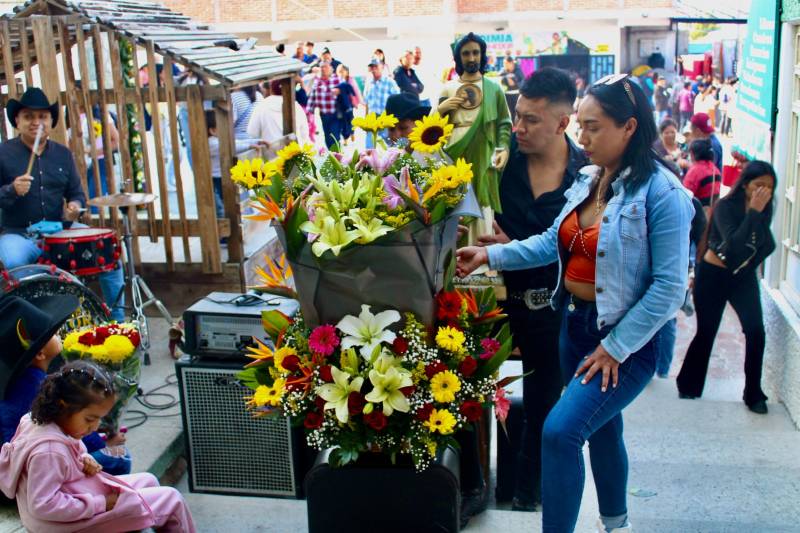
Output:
x,y
87,339
400,345
376,420
408,391
355,403
134,337
434,368
291,363
468,366
471,410
319,401
325,373
448,305
313,420
425,412
101,333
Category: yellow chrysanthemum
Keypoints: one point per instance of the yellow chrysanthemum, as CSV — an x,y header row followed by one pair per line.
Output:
x,y
441,420
430,133
444,386
281,354
450,339
252,173
266,395
117,348
71,341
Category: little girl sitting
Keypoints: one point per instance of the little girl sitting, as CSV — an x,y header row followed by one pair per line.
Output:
x,y
61,488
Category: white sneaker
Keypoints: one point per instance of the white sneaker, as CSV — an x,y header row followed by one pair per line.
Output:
x,y
601,528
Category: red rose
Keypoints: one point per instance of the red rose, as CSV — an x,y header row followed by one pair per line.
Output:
x,y
434,368
291,363
87,339
468,366
355,403
376,420
101,334
425,413
325,373
313,420
408,391
471,410
448,305
319,401
134,337
400,345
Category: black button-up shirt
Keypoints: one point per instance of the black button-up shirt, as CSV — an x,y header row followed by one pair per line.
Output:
x,y
55,179
523,215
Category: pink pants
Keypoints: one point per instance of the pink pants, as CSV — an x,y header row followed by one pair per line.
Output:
x,y
169,508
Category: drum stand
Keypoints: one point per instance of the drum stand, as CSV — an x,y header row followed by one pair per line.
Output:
x,y
139,290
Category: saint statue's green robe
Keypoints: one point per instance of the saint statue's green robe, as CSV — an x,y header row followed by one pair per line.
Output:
x,y
491,129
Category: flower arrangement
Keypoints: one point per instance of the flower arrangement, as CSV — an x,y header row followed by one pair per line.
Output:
x,y
114,347
359,386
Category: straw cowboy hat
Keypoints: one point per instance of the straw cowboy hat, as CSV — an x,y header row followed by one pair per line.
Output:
x,y
25,327
32,98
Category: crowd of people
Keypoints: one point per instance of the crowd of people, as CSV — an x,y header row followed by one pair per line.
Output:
x,y
601,239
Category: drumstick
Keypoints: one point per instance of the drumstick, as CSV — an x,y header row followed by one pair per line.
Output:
x,y
35,148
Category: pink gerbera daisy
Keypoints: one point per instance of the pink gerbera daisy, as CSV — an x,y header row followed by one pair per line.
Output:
x,y
323,340
490,347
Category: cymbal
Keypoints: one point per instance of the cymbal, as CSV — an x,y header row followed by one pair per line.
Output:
x,y
123,199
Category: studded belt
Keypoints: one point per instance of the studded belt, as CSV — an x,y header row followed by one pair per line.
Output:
x,y
534,299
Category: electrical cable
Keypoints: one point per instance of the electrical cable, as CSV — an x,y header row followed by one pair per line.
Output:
x,y
139,417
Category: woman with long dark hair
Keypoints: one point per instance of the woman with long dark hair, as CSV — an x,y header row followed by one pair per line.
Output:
x,y
622,243
738,239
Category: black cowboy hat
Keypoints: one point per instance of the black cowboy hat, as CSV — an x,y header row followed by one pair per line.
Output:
x,y
25,327
406,105
32,98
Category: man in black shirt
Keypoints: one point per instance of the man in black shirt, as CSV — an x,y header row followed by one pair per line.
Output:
x,y
50,192
542,165
406,76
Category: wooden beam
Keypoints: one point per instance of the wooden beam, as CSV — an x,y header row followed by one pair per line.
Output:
x,y
76,133
192,228
99,66
48,70
208,92
287,90
230,192
26,55
155,117
169,85
8,60
204,188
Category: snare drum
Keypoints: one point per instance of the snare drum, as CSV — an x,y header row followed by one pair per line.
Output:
x,y
83,251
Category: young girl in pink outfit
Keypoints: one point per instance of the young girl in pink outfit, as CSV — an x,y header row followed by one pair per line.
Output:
x,y
58,486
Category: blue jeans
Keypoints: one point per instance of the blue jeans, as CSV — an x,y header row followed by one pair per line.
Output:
x,y
585,413
101,167
17,250
666,347
332,128
183,122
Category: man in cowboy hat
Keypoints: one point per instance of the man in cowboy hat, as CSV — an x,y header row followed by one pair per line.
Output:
x,y
30,341
51,191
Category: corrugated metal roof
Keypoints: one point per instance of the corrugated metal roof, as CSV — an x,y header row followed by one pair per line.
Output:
x,y
709,12
193,45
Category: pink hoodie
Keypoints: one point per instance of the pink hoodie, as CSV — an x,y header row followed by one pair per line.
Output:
x,y
43,468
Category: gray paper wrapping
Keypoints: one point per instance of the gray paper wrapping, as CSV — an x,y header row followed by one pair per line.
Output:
x,y
402,270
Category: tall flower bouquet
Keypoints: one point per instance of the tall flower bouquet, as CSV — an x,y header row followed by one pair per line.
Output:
x,y
361,387
378,224
114,347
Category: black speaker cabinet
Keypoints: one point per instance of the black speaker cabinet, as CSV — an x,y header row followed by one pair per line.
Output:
x,y
228,450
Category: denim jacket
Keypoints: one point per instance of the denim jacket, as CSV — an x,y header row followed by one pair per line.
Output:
x,y
642,256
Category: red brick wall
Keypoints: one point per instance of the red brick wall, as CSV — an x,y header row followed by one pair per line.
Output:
x,y
481,6
363,8
536,5
289,11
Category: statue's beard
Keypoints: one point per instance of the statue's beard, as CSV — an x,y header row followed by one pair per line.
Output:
x,y
471,68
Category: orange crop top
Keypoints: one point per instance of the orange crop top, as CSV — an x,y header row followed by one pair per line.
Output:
x,y
581,245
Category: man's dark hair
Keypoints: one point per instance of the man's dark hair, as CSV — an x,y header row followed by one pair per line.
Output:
x,y
309,43
552,83
469,38
211,120
280,48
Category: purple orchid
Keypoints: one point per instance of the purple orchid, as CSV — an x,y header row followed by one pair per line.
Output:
x,y
393,186
378,160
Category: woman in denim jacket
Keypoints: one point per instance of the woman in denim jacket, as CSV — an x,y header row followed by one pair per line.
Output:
x,y
622,243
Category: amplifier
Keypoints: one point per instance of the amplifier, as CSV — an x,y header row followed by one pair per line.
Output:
x,y
222,325
228,450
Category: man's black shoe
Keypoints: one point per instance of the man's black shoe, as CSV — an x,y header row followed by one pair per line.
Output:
x,y
473,503
760,407
526,507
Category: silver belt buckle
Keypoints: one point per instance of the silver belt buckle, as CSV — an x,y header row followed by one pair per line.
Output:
x,y
530,299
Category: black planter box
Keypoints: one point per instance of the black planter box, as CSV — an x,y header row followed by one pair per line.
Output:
x,y
374,495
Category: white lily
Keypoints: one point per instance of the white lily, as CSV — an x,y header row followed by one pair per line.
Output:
x,y
333,234
367,330
368,230
387,389
335,394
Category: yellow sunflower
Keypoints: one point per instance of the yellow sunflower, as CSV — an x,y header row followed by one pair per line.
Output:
x,y
444,386
450,339
252,173
387,121
368,122
293,149
430,134
441,420
266,395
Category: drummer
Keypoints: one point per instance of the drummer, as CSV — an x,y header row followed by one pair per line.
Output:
x,y
51,191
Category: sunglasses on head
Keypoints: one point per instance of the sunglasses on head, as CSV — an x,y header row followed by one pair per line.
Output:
x,y
611,79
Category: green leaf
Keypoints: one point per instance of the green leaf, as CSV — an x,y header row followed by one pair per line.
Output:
x,y
295,238
276,190
438,212
249,378
450,271
274,323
